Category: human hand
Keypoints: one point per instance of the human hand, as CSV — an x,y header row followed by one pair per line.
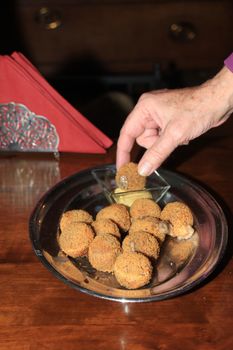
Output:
x,y
165,119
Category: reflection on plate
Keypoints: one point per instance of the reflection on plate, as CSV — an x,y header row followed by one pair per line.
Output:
x,y
182,264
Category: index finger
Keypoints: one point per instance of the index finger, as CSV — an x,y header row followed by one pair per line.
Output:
x,y
124,146
132,128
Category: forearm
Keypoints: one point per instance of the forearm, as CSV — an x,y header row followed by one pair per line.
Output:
x,y
223,81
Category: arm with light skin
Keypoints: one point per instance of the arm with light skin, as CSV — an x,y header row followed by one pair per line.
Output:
x,y
164,119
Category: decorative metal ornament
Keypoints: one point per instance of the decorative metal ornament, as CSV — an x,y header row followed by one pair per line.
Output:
x,y
24,131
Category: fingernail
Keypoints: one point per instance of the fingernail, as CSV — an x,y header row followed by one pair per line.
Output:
x,y
145,169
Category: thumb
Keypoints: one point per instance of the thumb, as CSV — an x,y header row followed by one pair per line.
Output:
x,y
157,153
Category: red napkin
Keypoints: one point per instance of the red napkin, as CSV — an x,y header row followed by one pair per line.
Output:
x,y
20,82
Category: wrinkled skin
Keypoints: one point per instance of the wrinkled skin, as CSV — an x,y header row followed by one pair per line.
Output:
x,y
165,119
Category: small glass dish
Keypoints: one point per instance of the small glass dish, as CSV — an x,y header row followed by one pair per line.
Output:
x,y
156,186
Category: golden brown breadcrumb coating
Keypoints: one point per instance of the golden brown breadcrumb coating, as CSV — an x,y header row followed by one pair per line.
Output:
x,y
106,226
141,242
179,251
76,215
133,270
118,213
141,223
181,219
103,252
151,225
75,239
144,207
177,211
128,179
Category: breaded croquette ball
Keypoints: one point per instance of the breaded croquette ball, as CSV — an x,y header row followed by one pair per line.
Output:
x,y
76,215
177,211
118,213
181,219
144,207
141,242
151,225
180,251
103,252
128,179
106,226
133,270
75,239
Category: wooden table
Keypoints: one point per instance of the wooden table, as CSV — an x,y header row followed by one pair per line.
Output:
x,y
38,311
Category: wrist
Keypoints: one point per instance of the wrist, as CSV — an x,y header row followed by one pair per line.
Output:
x,y
222,88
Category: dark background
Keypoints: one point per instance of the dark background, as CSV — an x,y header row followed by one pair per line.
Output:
x,y
101,55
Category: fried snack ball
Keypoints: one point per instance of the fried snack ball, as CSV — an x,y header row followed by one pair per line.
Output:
x,y
141,242
128,179
103,252
106,226
132,270
177,211
181,219
75,239
144,207
75,215
118,213
152,225
180,251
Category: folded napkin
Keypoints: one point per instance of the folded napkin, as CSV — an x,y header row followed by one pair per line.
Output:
x,y
21,83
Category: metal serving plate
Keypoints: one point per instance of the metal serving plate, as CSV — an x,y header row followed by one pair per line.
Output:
x,y
182,264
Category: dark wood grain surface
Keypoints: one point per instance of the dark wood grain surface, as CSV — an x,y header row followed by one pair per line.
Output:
x,y
38,311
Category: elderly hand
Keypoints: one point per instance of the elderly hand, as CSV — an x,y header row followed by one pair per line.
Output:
x,y
165,119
